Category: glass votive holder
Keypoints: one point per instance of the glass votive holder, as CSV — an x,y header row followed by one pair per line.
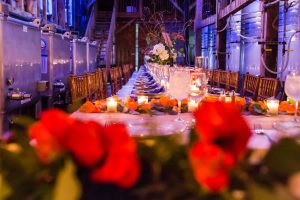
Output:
x,y
192,106
142,100
273,106
112,105
222,98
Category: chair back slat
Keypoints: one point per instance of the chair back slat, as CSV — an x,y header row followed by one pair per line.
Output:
x,y
234,81
78,87
224,79
251,84
267,88
216,78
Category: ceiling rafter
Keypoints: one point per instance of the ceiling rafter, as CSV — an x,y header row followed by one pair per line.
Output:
x,y
175,4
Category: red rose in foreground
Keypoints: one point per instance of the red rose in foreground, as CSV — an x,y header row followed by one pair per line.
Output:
x,y
223,125
57,123
121,165
45,143
223,136
85,143
210,165
90,144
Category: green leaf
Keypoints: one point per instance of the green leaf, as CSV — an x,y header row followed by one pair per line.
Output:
x,y
283,158
66,182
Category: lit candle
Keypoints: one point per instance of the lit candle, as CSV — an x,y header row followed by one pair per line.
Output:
x,y
142,100
222,98
228,99
192,106
167,85
163,83
273,105
112,105
194,88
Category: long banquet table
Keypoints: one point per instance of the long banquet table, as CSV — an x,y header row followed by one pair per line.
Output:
x,y
145,125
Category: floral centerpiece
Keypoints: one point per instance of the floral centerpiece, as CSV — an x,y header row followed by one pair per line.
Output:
x,y
162,54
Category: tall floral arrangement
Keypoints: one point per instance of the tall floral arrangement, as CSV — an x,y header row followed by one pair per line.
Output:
x,y
162,54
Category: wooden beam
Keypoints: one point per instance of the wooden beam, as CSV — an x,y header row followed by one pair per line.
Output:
x,y
233,7
193,5
205,22
125,26
176,6
90,3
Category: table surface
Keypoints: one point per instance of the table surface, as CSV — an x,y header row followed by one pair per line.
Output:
x,y
145,125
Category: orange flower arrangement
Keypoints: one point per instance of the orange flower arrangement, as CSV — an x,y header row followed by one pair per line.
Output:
x,y
164,101
288,107
131,104
259,107
145,106
101,104
89,107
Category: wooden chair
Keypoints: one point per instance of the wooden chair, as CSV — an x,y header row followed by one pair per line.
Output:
x,y
104,90
99,83
115,79
78,87
216,78
223,79
234,81
268,87
251,84
210,74
92,85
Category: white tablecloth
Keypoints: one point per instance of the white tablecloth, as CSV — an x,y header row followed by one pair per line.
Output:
x,y
144,125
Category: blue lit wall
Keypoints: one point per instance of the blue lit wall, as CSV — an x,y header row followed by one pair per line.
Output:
x,y
250,50
233,43
208,44
293,24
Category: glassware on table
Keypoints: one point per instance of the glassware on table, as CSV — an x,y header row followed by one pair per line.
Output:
x,y
198,87
292,88
179,87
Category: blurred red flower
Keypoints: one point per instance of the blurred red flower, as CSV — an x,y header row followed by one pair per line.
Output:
x,y
210,165
85,143
57,123
223,124
44,142
110,147
223,136
121,165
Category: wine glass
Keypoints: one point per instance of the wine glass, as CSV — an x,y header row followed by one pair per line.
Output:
x,y
198,88
179,86
292,88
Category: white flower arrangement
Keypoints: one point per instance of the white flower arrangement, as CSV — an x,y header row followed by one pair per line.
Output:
x,y
162,54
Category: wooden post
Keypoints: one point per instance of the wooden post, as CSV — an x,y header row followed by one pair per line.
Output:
x,y
270,35
141,12
197,28
54,11
61,13
186,19
220,40
44,10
